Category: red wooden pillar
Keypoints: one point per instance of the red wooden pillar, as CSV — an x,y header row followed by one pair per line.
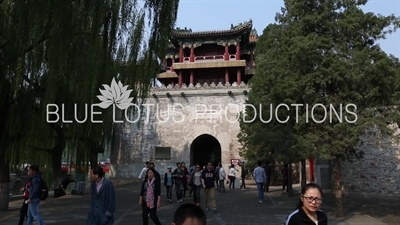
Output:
x,y
192,54
239,76
226,76
226,52
181,53
191,77
238,50
311,164
180,79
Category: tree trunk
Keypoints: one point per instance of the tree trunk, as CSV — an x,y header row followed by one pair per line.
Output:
x,y
93,158
303,173
290,180
4,181
56,154
5,94
56,158
337,188
273,177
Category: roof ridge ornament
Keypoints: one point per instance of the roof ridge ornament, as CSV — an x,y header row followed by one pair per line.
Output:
x,y
188,33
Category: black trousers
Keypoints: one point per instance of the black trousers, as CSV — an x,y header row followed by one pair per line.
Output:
x,y
284,185
153,214
266,188
23,212
196,195
243,183
169,192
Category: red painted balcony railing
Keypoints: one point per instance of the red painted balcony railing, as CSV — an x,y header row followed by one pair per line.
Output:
x,y
208,58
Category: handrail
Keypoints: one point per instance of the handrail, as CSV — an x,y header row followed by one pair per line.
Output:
x,y
209,57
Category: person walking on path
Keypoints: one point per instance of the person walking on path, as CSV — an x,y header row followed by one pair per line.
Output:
x,y
102,205
268,173
34,192
308,210
143,172
168,183
150,198
216,176
179,176
195,179
284,177
260,178
232,177
189,214
23,213
185,179
221,179
243,176
208,182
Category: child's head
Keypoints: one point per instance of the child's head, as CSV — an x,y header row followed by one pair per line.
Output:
x,y
189,214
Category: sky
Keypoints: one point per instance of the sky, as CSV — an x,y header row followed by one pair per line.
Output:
x,y
203,15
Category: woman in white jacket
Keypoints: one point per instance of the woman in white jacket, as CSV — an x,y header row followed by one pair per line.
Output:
x,y
232,177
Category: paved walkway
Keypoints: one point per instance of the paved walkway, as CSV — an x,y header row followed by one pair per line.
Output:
x,y
237,207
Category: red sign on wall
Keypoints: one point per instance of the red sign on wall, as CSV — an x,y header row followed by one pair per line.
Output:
x,y
235,161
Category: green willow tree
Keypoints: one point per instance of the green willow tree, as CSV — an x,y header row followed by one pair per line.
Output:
x,y
322,52
61,53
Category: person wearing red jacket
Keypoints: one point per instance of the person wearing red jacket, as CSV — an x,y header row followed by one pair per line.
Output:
x,y
23,213
186,178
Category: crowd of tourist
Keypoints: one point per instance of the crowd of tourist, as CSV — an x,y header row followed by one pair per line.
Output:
x,y
195,180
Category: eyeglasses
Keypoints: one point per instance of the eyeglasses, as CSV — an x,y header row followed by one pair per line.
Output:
x,y
310,199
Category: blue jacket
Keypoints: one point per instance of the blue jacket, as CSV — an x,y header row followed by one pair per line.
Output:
x,y
102,206
35,187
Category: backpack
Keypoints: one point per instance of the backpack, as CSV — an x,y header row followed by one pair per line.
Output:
x,y
44,190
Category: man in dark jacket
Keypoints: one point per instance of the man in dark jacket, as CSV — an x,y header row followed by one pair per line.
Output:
x,y
178,175
65,183
34,196
102,206
208,182
268,173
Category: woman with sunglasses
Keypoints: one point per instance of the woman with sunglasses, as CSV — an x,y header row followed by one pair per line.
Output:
x,y
308,211
196,181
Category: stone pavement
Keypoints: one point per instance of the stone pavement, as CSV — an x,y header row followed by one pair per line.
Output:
x,y
239,207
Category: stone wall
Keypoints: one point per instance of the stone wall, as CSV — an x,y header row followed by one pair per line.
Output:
x,y
378,171
175,117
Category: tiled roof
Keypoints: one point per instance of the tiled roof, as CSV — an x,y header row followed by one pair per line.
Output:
x,y
180,33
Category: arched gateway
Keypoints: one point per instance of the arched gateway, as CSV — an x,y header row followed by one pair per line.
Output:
x,y
205,148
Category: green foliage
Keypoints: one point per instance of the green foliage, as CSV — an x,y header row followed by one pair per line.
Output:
x,y
321,52
61,53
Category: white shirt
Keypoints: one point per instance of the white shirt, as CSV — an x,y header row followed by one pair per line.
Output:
x,y
232,172
143,173
222,174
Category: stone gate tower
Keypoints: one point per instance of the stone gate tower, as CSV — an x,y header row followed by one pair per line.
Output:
x,y
193,116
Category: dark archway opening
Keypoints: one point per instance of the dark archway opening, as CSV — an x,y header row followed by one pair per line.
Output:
x,y
205,148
